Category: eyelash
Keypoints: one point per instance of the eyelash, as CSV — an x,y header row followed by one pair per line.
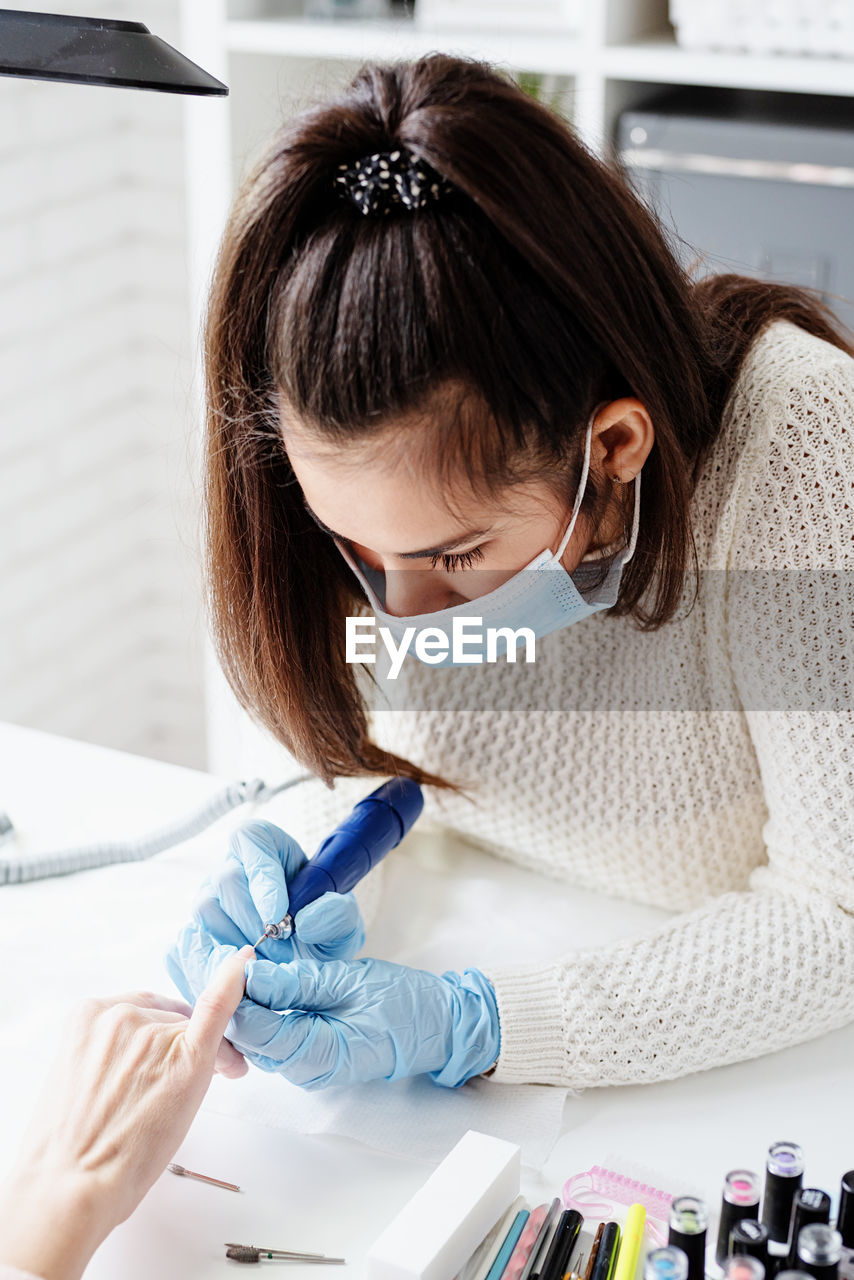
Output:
x,y
457,560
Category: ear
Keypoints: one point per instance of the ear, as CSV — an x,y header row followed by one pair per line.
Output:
x,y
622,438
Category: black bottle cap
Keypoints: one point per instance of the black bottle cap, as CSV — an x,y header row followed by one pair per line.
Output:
x,y
740,1200
687,1231
784,1171
809,1205
845,1221
751,1238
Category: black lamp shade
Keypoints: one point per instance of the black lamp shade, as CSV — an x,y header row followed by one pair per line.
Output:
x,y
48,46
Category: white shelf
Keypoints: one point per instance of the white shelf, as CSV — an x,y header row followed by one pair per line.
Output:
x,y
659,58
656,58
556,52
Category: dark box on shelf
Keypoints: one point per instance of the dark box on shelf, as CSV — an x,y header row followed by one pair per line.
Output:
x,y
754,182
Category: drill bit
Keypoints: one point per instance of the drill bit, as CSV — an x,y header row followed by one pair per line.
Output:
x,y
201,1177
283,929
252,1253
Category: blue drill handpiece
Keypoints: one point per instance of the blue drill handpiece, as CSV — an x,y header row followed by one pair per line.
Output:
x,y
375,826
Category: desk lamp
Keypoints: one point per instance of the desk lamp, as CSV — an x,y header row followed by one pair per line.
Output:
x,y
50,46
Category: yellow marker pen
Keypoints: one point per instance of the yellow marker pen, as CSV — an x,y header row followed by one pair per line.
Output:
x,y
630,1243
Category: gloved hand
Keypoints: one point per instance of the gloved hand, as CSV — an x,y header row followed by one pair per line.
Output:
x,y
365,1020
234,905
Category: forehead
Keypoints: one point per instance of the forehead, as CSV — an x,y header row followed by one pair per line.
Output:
x,y
437,437
372,492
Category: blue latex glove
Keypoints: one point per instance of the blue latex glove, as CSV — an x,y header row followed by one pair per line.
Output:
x,y
234,905
365,1020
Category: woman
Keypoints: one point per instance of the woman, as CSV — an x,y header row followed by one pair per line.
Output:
x,y
444,342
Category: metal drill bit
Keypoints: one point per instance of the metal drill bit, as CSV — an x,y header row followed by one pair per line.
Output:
x,y
252,1253
201,1177
283,929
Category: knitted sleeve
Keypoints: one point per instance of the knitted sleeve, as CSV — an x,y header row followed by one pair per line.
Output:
x,y
754,971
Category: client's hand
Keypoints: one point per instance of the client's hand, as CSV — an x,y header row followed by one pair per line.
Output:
x,y
116,1108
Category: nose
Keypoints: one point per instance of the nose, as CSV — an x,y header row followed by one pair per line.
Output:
x,y
412,591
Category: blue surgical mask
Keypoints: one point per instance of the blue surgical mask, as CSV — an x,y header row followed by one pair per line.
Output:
x,y
542,596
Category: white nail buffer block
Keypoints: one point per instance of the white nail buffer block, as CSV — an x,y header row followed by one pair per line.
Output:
x,y
442,1225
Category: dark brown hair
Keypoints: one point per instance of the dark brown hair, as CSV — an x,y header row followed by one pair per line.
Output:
x,y
542,286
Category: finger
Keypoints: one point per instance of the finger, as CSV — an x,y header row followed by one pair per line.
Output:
x,y
266,1063
226,911
270,859
232,1073
275,843
153,1000
217,1003
331,927
172,961
303,1047
163,1017
196,956
230,1062
263,1063
303,984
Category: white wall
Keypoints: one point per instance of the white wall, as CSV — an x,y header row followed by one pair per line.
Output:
x,y
100,626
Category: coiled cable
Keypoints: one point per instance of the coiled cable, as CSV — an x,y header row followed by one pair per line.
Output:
x,y
86,857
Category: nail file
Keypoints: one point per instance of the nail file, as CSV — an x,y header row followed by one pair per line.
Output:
x,y
436,1233
480,1263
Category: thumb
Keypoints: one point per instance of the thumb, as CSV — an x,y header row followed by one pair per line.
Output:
x,y
217,1003
331,919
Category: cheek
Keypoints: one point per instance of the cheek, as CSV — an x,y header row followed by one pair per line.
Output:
x,y
518,548
478,581
368,557
441,587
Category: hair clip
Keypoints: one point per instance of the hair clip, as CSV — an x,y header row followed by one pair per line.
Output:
x,y
387,180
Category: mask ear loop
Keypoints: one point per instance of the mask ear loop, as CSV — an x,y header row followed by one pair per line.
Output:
x,y
630,551
576,506
635,522
372,597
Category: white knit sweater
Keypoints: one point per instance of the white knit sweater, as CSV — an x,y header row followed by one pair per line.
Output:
x,y
706,767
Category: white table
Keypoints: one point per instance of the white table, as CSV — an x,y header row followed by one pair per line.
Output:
x,y
328,1192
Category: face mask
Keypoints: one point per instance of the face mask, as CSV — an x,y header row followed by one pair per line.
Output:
x,y
541,597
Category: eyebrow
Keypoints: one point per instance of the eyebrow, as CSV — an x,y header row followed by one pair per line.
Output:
x,y
427,553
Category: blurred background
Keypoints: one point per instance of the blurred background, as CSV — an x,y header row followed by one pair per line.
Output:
x,y
100,626
735,119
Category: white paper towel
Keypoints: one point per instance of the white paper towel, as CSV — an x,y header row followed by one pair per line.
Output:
x,y
414,1117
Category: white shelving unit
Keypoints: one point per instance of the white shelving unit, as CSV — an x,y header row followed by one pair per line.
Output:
x,y
276,61
651,56
301,37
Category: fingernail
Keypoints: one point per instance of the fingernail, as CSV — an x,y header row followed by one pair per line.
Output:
x,y
248,953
